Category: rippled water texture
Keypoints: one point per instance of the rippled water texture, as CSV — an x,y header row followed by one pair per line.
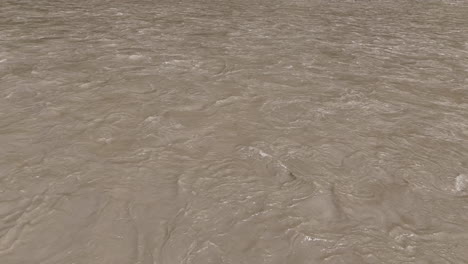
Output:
x,y
208,132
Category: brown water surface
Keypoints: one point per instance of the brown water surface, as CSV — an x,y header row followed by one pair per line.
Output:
x,y
237,132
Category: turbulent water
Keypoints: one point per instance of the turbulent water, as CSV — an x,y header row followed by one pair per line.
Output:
x,y
209,132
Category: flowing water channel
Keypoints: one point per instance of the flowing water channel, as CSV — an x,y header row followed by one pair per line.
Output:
x,y
236,132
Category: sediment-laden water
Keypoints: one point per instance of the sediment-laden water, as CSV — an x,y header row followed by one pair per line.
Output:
x,y
237,132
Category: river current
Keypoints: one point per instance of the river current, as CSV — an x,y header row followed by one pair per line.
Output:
x,y
236,132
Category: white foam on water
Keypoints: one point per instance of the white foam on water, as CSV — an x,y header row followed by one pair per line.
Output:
x,y
461,183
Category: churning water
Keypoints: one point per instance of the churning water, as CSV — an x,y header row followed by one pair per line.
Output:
x,y
237,132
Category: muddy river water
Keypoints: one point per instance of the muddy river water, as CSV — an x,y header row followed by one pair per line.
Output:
x,y
237,132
